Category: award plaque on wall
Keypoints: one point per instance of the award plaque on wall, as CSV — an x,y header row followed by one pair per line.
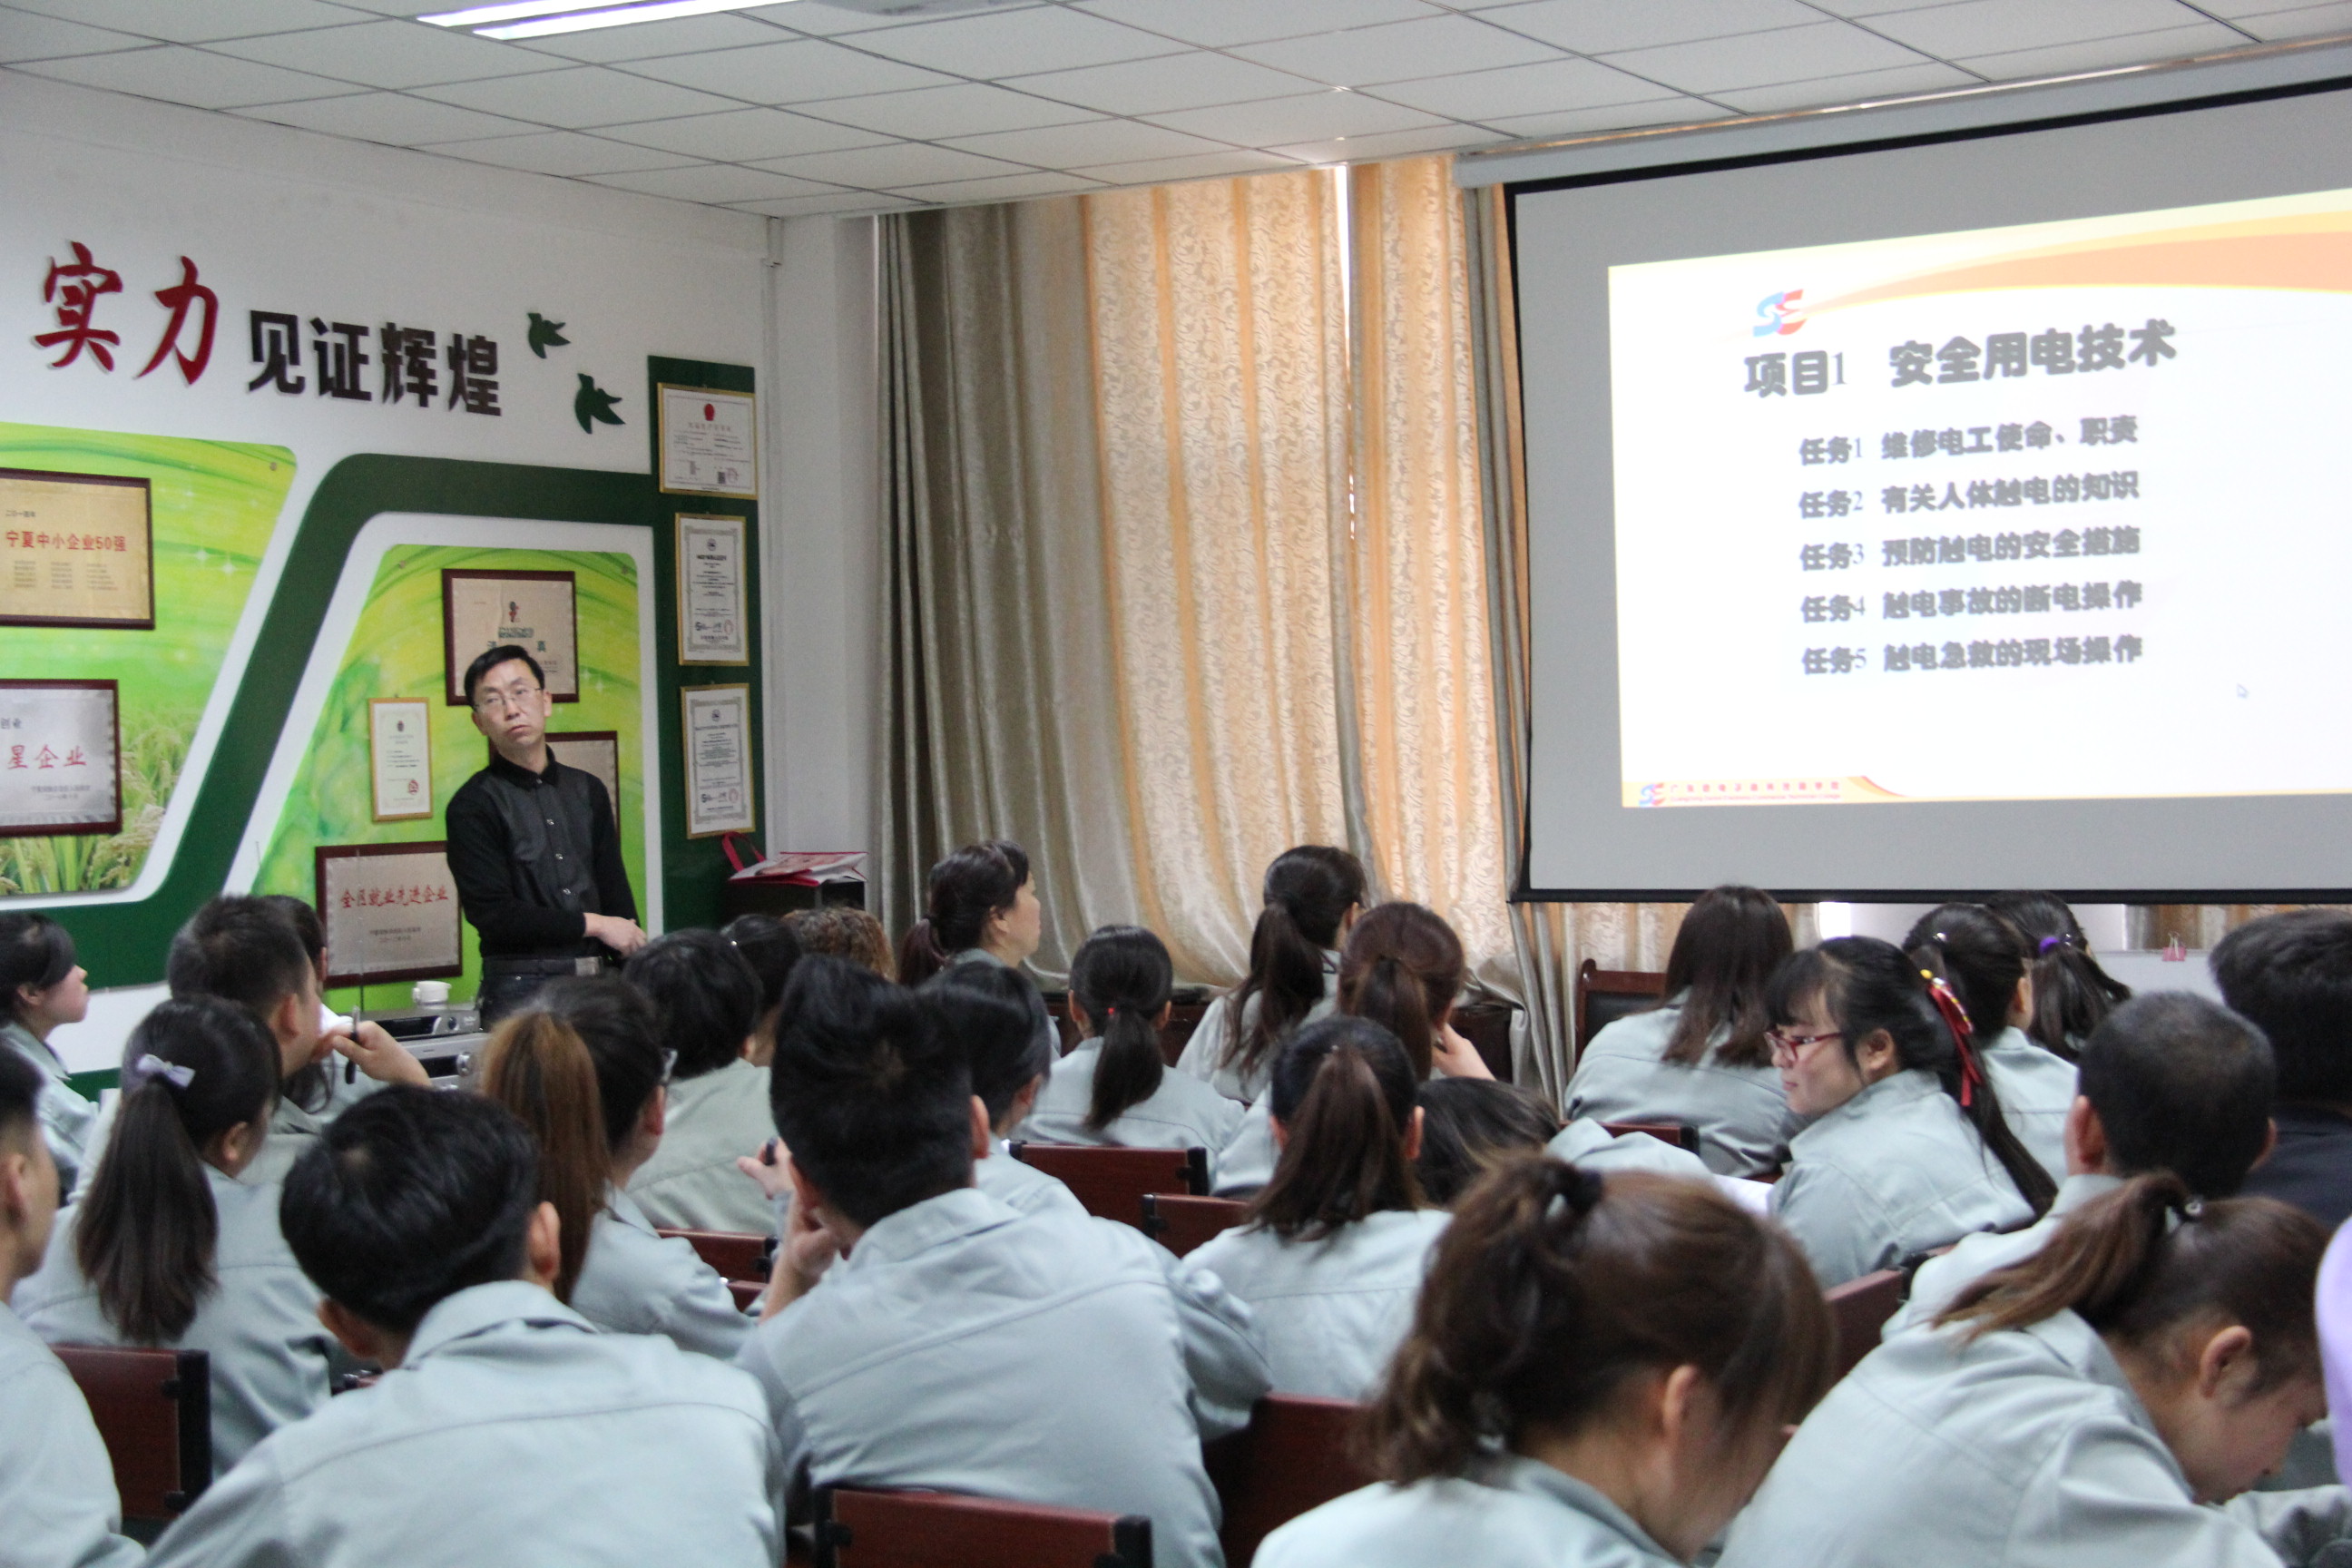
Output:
x,y
596,751
400,757
709,442
718,761
531,610
711,622
390,911
76,550
60,763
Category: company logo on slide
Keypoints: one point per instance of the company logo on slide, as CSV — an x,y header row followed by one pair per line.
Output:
x,y
1780,313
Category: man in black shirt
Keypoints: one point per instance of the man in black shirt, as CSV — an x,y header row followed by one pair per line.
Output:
x,y
532,846
2291,974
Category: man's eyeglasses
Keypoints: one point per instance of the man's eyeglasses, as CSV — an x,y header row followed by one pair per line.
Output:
x,y
496,702
1792,1047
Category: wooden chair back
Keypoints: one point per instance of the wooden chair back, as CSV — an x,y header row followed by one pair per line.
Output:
x,y
926,1530
1860,1308
154,1410
1292,1456
736,1254
1681,1137
1110,1184
1180,1225
1605,995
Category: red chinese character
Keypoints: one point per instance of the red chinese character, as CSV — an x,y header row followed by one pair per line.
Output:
x,y
117,543
45,757
16,756
347,900
74,759
187,292
83,283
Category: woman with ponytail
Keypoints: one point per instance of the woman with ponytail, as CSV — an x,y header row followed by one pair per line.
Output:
x,y
1312,896
41,987
581,1068
979,907
1335,1246
1986,962
1597,1374
2071,993
1115,1087
166,1247
1907,1148
2077,1409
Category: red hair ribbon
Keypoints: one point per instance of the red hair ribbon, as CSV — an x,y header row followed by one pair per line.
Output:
x,y
1955,1018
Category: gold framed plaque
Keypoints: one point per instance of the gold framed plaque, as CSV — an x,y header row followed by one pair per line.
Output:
x,y
76,550
537,611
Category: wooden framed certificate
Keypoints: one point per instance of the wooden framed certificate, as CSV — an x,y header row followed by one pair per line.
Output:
x,y
536,611
596,751
709,442
400,757
60,758
717,734
76,550
390,913
711,619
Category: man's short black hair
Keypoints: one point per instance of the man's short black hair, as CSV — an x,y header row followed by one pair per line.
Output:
x,y
872,1096
705,994
2180,1084
772,948
411,1197
241,949
993,1011
20,1093
2291,974
504,653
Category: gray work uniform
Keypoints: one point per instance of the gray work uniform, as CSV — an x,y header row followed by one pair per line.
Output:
x,y
1048,1033
291,1128
713,1120
1246,1163
638,1281
1743,1119
1023,1187
67,1117
1181,1113
513,1434
1939,1281
259,1322
1204,1053
1593,1146
1334,1310
1894,1171
58,1507
1509,1511
961,1347
2037,1089
2024,1449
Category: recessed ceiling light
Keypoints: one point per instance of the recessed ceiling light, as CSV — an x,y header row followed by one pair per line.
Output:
x,y
546,18
515,10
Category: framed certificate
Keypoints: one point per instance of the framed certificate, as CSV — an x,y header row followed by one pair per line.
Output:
x,y
718,761
400,757
390,911
76,550
596,751
711,621
533,610
60,761
709,442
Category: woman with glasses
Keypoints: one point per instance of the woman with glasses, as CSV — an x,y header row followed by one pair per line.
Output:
x,y
581,1066
1908,1149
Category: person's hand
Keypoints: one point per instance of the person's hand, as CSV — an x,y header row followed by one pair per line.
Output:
x,y
623,937
805,1251
1456,1058
378,1055
767,1168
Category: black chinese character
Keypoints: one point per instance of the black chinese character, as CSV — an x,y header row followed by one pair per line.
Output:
x,y
1896,657
1894,445
2099,348
2153,343
2053,350
277,349
473,369
1767,375
411,362
1841,449
1923,443
1891,497
335,351
1811,370
1910,362
1812,449
2005,353
2010,438
1895,606
2122,428
1957,360
2095,432
2127,648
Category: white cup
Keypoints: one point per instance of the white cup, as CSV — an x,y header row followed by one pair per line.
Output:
x,y
431,993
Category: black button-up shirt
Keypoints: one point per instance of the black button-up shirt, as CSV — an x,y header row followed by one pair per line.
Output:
x,y
532,854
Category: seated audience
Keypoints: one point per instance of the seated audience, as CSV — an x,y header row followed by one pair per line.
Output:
x,y
1466,1122
164,1246
769,946
845,932
1981,958
1312,896
990,1012
1115,1087
957,1345
979,907
2170,1082
41,987
2291,974
1334,1248
579,1066
2158,1354
706,999
57,1481
508,1429
1600,1373
1699,1059
313,934
2071,993
1907,1148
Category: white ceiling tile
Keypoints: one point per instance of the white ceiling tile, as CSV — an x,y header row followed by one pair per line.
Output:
x,y
962,108
178,75
1390,144
1602,27
558,153
1041,38
2139,48
847,203
1313,117
741,135
2005,26
1873,7
390,54
1549,88
24,36
578,97
194,21
1008,188
393,118
1395,51
1825,91
1761,60
828,21
649,40
1095,142
1193,80
900,163
1617,117
1209,166
715,183
2303,22
1218,23
789,72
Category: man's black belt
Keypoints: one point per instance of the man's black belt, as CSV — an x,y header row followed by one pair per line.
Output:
x,y
503,965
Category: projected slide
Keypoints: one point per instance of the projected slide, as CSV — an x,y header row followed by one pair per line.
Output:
x,y
2047,513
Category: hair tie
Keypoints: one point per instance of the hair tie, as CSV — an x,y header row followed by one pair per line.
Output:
x,y
1955,1019
2050,941
1579,1194
153,1067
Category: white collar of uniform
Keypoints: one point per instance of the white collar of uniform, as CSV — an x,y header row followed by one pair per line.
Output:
x,y
624,1209
974,955
2074,1342
32,1048
1899,1089
478,1308
2076,1191
967,1211
1517,1473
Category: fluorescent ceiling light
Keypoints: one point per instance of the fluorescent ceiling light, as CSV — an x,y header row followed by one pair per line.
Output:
x,y
609,16
513,11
